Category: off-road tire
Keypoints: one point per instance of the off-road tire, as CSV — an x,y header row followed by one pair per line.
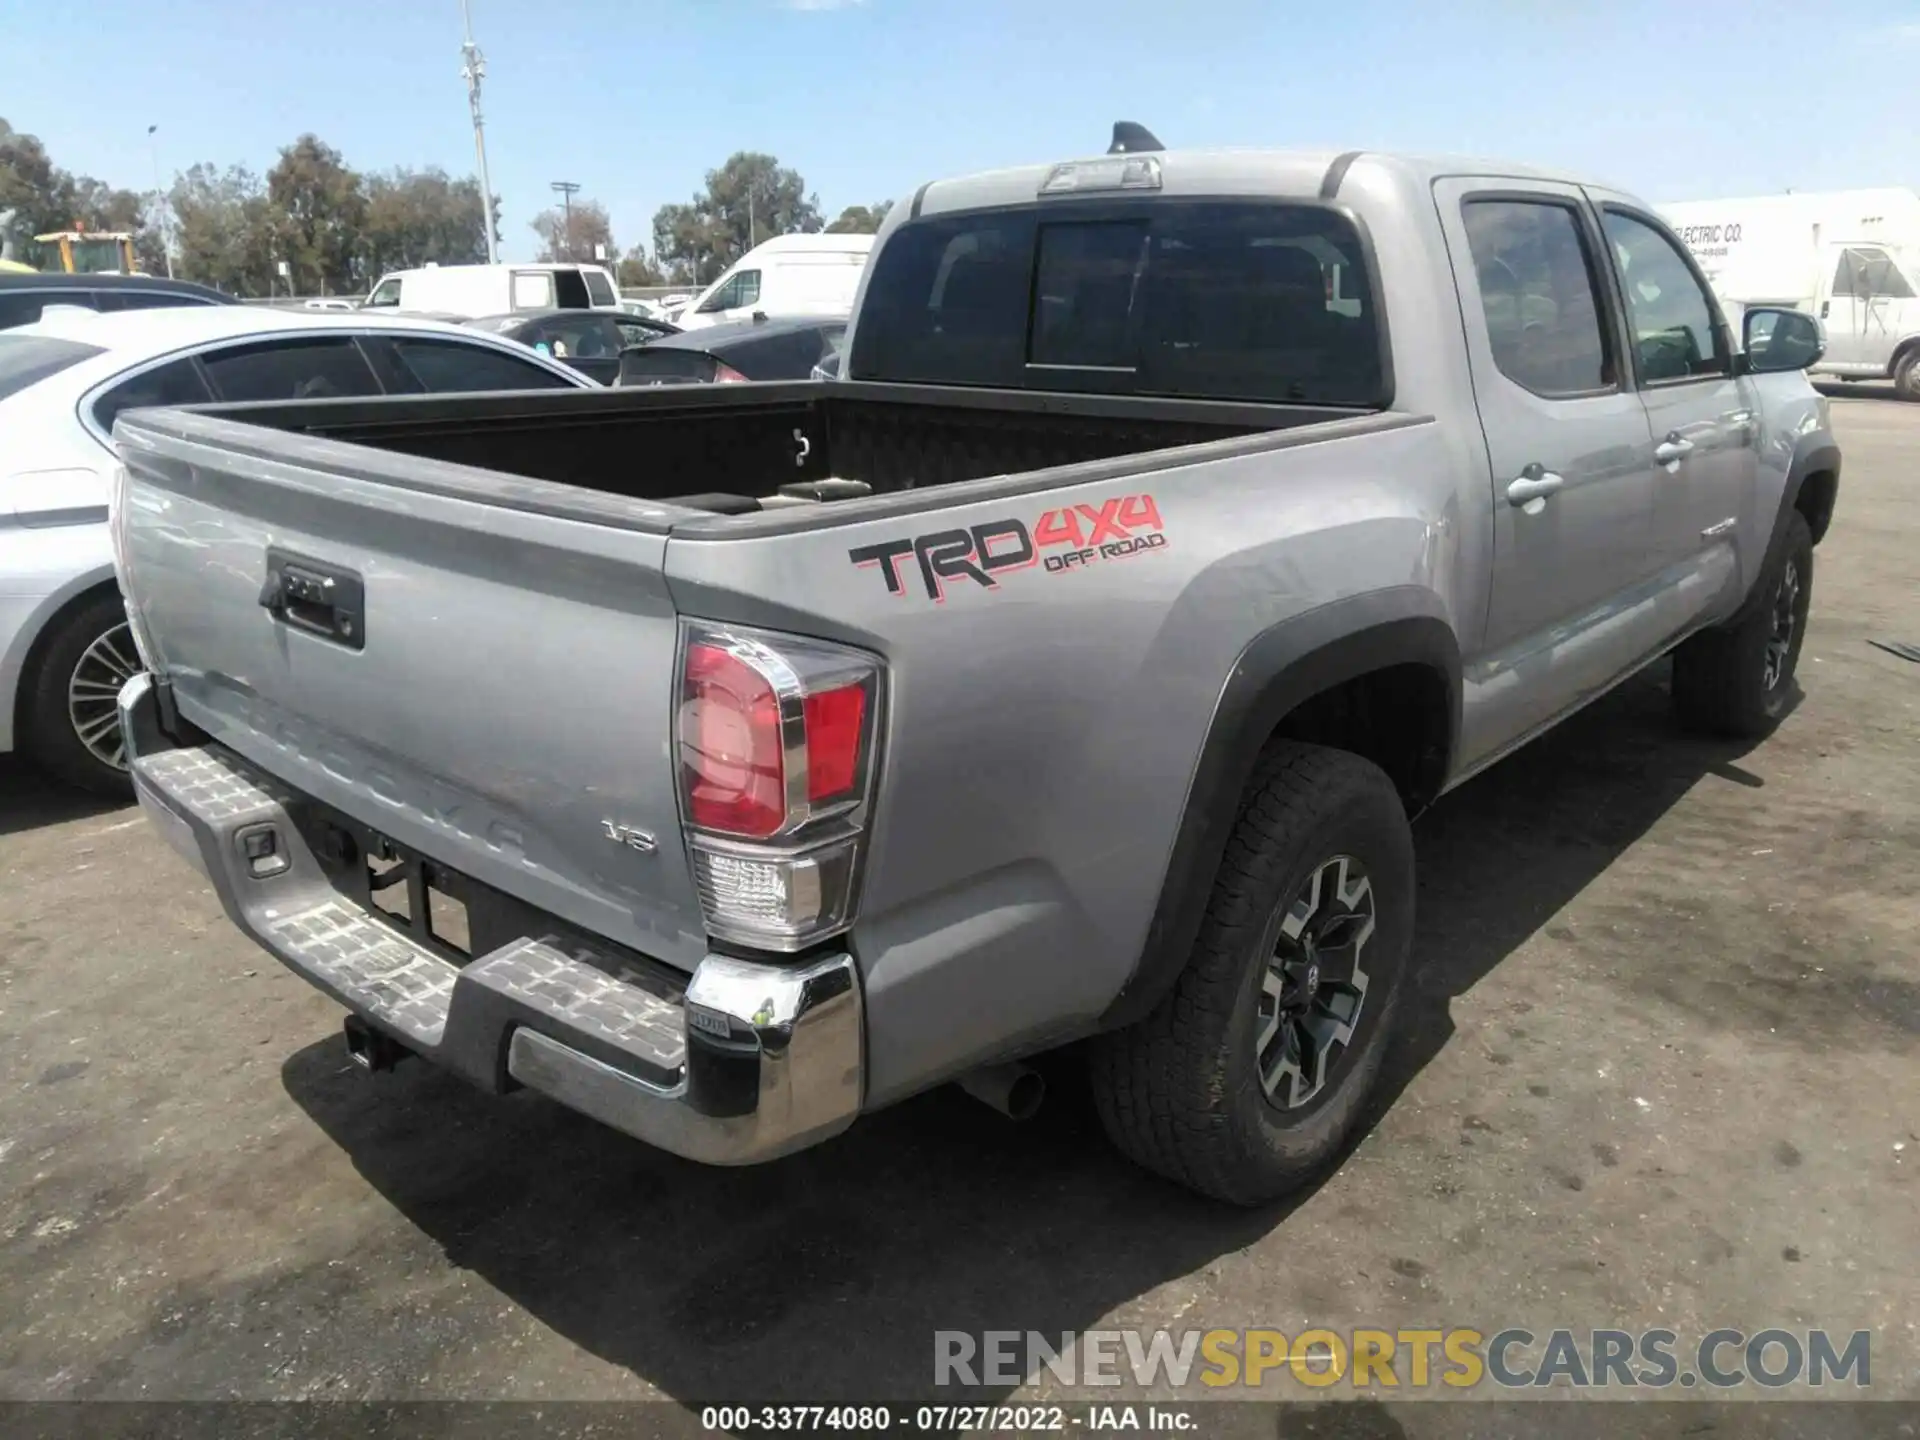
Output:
x,y
1721,679
49,737
1180,1091
1906,375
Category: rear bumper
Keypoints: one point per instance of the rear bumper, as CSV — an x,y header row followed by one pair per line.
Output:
x,y
748,1062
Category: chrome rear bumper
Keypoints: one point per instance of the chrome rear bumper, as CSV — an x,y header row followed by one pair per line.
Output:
x,y
750,1061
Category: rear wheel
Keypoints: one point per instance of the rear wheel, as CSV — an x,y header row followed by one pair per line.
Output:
x,y
1906,376
72,717
1247,1079
1736,680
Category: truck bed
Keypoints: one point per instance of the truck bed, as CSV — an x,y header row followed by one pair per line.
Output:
x,y
727,448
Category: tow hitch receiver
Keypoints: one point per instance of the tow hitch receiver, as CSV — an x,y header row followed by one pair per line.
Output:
x,y
373,1049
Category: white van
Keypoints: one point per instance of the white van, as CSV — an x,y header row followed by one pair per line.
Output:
x,y
470,291
1852,257
789,275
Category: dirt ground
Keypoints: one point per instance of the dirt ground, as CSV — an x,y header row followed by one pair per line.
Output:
x,y
1663,1068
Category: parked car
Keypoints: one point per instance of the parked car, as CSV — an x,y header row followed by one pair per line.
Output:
x,y
64,644
785,276
24,297
1071,669
588,340
743,350
471,290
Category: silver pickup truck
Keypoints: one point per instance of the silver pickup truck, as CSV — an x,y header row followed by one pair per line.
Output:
x,y
728,761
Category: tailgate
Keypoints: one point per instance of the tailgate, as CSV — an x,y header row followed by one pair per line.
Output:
x,y
478,668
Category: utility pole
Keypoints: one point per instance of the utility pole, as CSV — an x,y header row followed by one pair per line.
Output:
x,y
159,200
567,190
473,71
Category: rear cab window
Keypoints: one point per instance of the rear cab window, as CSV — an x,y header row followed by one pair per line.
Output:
x,y
28,359
1201,299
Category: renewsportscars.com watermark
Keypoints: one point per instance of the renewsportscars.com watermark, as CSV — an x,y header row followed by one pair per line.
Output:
x,y
1457,1358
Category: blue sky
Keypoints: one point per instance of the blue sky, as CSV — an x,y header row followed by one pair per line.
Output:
x,y
1676,99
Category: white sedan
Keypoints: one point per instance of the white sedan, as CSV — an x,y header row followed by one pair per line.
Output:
x,y
64,643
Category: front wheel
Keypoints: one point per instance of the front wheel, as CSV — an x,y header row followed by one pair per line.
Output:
x,y
1249,1076
72,696
1906,376
1736,681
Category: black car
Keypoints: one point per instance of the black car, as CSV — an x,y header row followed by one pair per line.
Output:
x,y
588,340
758,349
23,297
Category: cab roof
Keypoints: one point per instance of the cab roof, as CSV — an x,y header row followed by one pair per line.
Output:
x,y
1307,174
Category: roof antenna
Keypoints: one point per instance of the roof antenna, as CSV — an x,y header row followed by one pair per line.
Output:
x,y
1130,138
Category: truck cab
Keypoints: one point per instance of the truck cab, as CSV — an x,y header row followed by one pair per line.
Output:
x,y
1870,305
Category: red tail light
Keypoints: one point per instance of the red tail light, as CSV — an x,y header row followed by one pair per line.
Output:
x,y
732,755
725,374
836,722
777,738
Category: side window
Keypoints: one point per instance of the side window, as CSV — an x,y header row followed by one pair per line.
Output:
x,y
742,288
533,290
21,309
582,335
176,383
386,293
444,367
570,290
636,332
146,300
1545,320
291,370
1846,276
599,288
1669,312
1877,277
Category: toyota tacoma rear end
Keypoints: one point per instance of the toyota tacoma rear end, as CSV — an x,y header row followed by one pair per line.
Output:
x,y
727,762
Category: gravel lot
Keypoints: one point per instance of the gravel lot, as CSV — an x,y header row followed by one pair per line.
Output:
x,y
1663,1069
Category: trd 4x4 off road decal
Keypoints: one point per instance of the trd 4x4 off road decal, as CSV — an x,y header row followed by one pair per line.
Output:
x,y
1070,538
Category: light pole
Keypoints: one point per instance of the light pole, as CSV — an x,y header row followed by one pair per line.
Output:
x,y
160,213
473,71
567,190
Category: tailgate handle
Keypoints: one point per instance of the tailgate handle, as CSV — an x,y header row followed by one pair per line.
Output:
x,y
321,599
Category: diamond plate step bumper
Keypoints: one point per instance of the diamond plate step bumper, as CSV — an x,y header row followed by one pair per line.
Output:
x,y
750,1062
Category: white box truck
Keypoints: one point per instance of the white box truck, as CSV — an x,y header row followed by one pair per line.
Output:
x,y
1852,257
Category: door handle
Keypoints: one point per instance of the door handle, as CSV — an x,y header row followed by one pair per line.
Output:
x,y
1826,309
1535,483
1672,450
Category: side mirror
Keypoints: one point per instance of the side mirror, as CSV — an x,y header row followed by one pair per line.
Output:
x,y
1778,339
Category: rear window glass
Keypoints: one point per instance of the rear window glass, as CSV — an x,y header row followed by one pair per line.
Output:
x,y
28,359
1213,300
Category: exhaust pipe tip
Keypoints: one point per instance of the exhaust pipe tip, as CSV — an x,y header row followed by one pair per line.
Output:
x,y
373,1050
1015,1090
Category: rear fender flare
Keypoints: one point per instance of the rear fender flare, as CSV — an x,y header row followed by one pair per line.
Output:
x,y
1284,665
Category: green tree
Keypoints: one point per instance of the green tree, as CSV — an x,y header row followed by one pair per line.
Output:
x,y
42,197
637,269
749,199
225,229
860,219
416,216
590,226
320,214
